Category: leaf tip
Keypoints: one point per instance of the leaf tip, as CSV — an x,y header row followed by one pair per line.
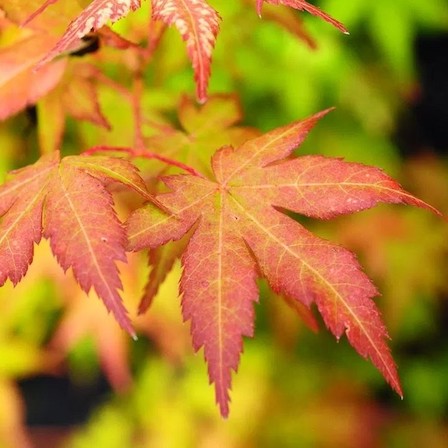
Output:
x,y
202,98
324,112
224,408
145,303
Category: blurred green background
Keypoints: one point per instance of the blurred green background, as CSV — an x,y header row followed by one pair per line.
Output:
x,y
70,378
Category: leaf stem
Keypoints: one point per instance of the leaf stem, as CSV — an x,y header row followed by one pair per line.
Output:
x,y
137,109
145,154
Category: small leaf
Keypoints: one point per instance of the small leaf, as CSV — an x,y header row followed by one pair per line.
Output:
x,y
112,169
290,21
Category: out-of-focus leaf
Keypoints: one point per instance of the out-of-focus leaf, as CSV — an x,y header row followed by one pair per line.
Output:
x,y
205,128
75,96
93,17
12,416
19,85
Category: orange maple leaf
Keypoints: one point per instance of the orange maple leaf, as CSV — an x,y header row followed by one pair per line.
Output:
x,y
239,233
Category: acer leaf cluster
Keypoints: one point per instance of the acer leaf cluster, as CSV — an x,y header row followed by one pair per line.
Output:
x,y
227,220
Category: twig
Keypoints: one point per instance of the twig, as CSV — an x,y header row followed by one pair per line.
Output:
x,y
145,154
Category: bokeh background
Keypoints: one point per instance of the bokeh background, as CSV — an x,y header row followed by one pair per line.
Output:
x,y
70,378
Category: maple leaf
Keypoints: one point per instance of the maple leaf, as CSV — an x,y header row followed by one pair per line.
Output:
x,y
198,24
92,18
67,202
302,5
288,19
239,232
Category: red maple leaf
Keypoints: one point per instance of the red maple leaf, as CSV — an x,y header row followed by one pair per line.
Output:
x,y
67,202
239,233
198,23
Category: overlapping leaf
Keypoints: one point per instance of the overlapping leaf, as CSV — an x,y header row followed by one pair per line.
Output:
x,y
239,232
67,202
290,21
161,261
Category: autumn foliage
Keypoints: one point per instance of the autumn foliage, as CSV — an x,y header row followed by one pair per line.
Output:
x,y
217,195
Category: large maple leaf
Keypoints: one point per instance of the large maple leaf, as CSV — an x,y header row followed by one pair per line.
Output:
x,y
239,232
198,23
67,202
